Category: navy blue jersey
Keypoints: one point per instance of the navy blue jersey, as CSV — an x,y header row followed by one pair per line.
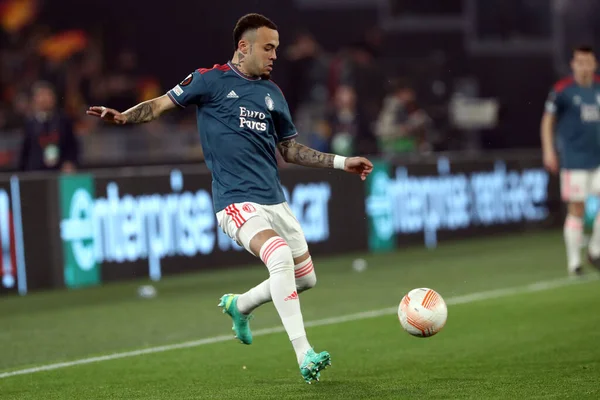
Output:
x,y
240,121
577,111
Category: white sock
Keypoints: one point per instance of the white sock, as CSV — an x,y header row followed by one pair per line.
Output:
x,y
254,297
277,256
573,232
257,296
305,275
594,244
301,346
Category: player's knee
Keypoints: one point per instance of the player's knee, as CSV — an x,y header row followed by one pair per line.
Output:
x,y
277,255
576,209
305,275
306,282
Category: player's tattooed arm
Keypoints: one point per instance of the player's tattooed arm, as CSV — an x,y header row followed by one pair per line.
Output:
x,y
143,112
296,153
148,110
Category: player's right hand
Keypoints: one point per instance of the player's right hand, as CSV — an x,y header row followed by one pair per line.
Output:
x,y
551,162
107,114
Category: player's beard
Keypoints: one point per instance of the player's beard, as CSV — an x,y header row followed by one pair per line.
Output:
x,y
266,74
263,74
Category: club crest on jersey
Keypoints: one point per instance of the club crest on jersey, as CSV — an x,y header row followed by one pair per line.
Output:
x,y
187,80
270,103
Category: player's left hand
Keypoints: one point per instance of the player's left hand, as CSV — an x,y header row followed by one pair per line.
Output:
x,y
107,114
358,165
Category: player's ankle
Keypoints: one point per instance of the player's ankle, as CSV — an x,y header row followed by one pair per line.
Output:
x,y
301,347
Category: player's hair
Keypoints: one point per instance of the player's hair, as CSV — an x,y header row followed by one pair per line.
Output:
x,y
583,49
250,22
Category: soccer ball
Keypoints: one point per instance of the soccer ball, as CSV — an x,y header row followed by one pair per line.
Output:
x,y
422,312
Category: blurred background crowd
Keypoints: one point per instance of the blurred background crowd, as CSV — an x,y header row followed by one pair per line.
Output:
x,y
387,77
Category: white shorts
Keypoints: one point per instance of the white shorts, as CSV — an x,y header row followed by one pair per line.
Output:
x,y
577,184
279,217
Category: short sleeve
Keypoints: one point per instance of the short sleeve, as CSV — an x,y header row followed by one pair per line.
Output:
x,y
553,102
193,90
284,126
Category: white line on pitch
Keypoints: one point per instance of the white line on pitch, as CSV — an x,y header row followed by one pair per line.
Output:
x,y
469,298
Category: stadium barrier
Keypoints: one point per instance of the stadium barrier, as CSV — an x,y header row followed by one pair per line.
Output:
x,y
441,199
117,224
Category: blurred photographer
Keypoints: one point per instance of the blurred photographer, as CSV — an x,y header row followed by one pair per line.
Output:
x,y
402,126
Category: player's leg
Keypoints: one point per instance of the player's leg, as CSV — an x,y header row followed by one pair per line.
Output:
x,y
573,234
304,271
254,231
274,251
284,221
258,237
594,243
574,185
230,220
287,225
313,363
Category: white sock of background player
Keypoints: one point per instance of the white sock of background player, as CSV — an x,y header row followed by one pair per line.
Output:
x,y
573,233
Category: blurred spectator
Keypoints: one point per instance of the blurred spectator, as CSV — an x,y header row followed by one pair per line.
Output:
x,y
306,64
402,125
49,142
306,90
343,122
356,66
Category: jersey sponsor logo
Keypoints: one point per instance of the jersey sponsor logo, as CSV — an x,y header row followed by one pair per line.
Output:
x,y
232,95
187,80
252,119
590,113
269,102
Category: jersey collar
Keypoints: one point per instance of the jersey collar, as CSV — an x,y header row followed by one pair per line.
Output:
x,y
240,73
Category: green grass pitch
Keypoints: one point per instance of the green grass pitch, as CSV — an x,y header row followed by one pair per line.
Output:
x,y
505,338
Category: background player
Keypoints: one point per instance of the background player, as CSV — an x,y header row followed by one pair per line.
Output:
x,y
242,118
573,115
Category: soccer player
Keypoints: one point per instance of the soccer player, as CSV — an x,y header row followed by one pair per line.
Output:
x,y
573,115
243,118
